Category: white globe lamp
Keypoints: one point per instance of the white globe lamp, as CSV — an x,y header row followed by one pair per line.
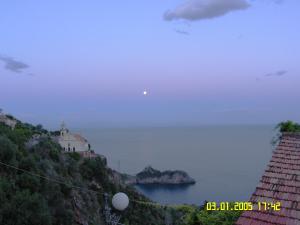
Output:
x,y
120,201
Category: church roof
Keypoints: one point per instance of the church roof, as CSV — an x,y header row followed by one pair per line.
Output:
x,y
279,183
79,138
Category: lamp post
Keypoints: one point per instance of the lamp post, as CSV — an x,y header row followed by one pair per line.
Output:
x,y
120,201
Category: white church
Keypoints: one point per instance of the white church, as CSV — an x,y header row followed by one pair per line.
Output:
x,y
72,142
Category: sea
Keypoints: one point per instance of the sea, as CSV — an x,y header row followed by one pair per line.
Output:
x,y
227,161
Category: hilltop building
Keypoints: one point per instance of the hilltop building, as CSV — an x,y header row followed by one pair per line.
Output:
x,y
279,184
7,120
75,143
72,142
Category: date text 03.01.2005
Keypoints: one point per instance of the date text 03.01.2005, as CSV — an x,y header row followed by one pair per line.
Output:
x,y
242,206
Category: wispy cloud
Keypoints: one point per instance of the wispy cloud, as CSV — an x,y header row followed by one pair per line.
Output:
x,y
277,73
242,110
181,32
205,9
270,1
13,65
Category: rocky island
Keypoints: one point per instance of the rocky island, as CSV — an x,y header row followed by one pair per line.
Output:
x,y
153,176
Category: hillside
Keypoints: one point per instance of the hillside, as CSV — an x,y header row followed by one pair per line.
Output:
x,y
41,184
72,192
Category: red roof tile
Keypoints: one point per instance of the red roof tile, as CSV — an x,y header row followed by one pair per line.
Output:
x,y
279,183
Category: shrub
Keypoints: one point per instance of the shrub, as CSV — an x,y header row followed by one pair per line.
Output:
x,y
93,168
26,208
288,126
28,163
7,150
75,155
29,182
47,148
54,154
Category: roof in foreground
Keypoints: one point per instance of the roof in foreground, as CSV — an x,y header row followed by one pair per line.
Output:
x,y
279,183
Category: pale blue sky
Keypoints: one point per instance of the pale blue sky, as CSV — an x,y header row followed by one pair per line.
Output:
x,y
90,61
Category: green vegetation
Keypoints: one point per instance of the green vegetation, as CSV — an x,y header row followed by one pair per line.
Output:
x,y
285,127
33,200
288,126
27,199
199,216
149,172
75,155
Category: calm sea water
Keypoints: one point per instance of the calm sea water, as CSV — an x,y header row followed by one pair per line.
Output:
x,y
226,161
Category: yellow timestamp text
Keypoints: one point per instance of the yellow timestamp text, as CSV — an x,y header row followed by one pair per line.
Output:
x,y
243,206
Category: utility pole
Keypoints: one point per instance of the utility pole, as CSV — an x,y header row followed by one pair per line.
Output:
x,y
119,166
110,218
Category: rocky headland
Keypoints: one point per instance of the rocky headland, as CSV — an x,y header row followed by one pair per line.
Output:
x,y
153,176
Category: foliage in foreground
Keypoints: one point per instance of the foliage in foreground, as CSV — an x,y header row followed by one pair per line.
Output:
x,y
288,126
199,216
285,127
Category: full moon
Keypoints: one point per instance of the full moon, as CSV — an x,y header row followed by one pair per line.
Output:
x,y
145,93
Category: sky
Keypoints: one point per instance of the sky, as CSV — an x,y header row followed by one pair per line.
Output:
x,y
201,62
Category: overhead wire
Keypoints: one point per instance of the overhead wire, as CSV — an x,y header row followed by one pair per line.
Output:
x,y
82,188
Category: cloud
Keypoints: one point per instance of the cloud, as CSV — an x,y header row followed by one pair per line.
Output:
x,y
181,32
242,110
277,73
270,1
205,9
13,65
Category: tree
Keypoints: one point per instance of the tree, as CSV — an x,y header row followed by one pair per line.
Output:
x,y
39,127
26,181
7,150
25,208
288,126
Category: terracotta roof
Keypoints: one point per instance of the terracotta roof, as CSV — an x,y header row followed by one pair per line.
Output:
x,y
279,183
79,138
